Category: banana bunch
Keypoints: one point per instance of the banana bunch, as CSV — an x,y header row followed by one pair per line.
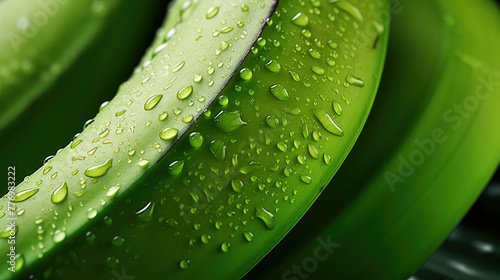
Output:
x,y
235,121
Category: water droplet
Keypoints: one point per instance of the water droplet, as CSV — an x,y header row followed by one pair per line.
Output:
x,y
184,92
226,30
355,81
295,76
99,170
119,113
218,225
337,108
175,168
197,78
184,264
25,194
248,236
229,121
169,133
118,241
318,70
313,151
178,66
218,149
113,191
350,9
46,170
273,66
314,54
328,159
152,102
59,194
266,216
246,74
196,139
91,213
143,163
300,19
327,122
212,12
272,121
225,247
205,238
280,92
282,146
163,116
306,179
59,236
145,214
237,185
302,159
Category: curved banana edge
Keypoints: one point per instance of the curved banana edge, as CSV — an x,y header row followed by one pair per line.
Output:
x,y
49,204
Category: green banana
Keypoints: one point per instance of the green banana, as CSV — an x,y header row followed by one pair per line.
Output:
x,y
69,89
211,151
428,149
31,56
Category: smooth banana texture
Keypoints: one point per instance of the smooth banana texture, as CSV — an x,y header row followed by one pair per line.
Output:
x,y
428,149
233,161
76,98
31,56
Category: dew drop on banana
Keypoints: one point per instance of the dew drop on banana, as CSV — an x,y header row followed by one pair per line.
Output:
x,y
145,214
184,92
99,170
184,264
59,194
175,168
273,66
91,213
196,139
229,121
152,102
225,247
59,236
248,236
25,194
205,238
212,12
337,108
352,80
327,122
113,191
280,92
246,74
265,216
169,133
300,19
